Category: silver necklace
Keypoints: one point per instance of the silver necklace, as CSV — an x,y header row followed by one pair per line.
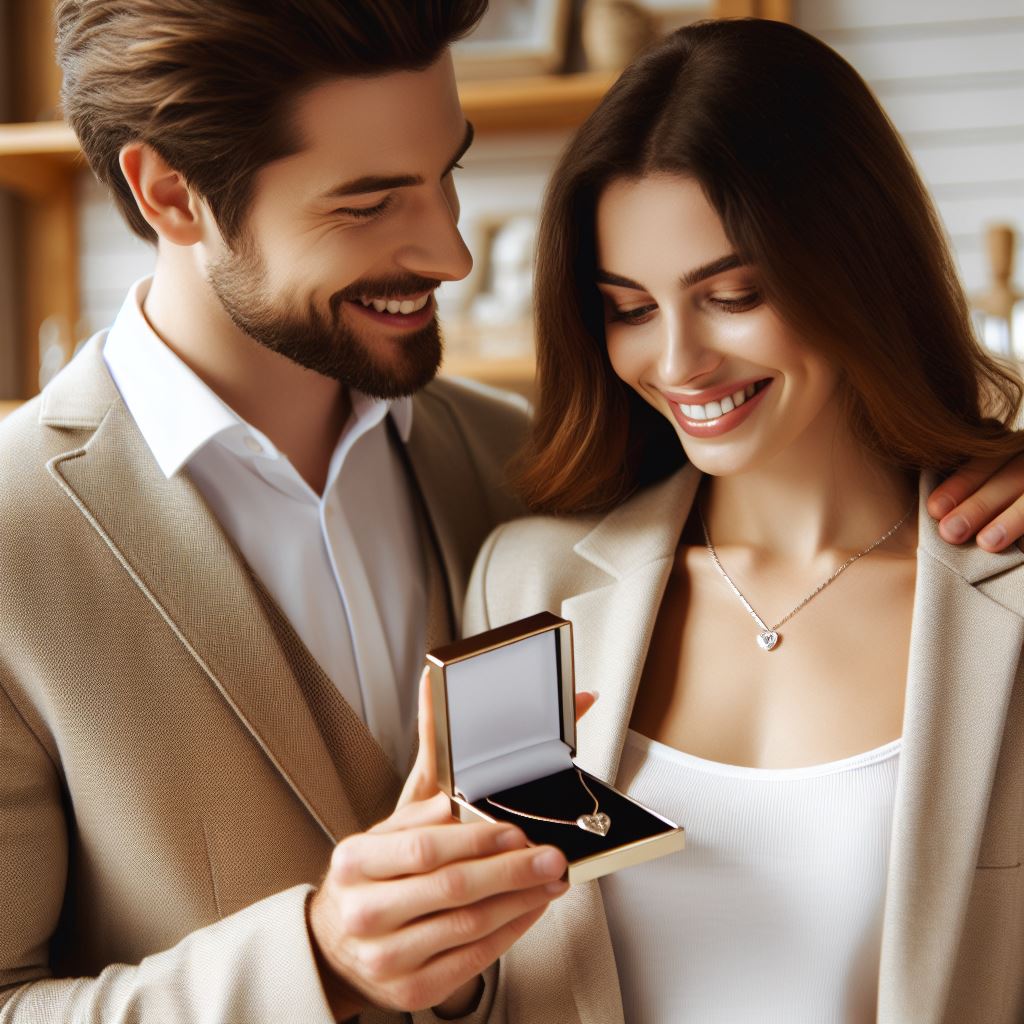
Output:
x,y
597,821
769,635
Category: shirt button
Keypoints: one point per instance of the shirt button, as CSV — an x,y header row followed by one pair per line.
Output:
x,y
252,444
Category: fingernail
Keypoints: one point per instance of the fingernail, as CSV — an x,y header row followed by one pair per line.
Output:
x,y
595,694
957,529
549,864
556,888
510,839
943,504
992,536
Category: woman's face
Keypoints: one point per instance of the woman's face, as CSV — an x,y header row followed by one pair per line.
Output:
x,y
687,329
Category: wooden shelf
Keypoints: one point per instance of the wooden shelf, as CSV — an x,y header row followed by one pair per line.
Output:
x,y
35,159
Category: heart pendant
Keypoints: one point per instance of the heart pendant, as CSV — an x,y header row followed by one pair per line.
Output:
x,y
767,640
597,823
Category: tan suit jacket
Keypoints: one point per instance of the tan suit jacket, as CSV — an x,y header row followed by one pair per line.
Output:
x,y
175,768
953,938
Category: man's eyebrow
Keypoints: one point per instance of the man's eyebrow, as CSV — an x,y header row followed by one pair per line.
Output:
x,y
384,183
688,280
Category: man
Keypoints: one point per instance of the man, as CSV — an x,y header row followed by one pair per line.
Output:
x,y
230,532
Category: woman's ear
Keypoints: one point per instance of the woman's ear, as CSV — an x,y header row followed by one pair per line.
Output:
x,y
163,196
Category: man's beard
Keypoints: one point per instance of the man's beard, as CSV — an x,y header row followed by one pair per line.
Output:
x,y
324,343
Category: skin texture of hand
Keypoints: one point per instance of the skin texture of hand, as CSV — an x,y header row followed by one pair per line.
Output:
x,y
412,911
984,498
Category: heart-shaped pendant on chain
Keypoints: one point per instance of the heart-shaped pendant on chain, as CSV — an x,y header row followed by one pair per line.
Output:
x,y
598,823
767,640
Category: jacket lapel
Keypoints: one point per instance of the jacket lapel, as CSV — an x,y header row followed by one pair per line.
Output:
x,y
635,546
964,655
173,549
449,484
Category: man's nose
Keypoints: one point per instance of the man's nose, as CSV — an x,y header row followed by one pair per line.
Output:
x,y
436,247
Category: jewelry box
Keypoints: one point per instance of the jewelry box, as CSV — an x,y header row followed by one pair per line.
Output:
x,y
505,720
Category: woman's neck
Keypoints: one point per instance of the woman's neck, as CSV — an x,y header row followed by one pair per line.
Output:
x,y
822,498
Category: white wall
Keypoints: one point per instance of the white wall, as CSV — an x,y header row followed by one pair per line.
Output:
x,y
951,76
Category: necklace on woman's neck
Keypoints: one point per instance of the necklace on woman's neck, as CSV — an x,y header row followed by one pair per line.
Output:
x,y
769,636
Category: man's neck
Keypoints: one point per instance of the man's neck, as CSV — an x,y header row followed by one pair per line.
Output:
x,y
302,412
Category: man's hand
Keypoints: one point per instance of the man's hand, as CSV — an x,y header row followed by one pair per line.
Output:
x,y
412,911
985,497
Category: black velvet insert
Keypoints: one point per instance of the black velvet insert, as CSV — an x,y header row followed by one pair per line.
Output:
x,y
562,796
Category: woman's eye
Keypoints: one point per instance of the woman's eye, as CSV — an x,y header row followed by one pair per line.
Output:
x,y
630,316
364,212
737,303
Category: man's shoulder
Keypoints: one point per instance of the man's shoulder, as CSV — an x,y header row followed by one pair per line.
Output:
x,y
477,407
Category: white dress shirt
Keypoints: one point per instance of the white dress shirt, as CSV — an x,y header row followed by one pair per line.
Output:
x,y
346,567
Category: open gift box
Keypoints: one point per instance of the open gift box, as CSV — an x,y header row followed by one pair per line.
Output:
x,y
505,716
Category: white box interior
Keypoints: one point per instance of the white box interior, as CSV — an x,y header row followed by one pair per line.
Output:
x,y
503,716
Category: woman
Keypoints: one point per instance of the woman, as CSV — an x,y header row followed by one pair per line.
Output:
x,y
755,360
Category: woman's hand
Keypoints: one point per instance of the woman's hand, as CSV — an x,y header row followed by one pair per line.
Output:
x,y
412,911
984,498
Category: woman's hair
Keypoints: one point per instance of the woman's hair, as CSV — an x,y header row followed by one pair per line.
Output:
x,y
211,84
814,187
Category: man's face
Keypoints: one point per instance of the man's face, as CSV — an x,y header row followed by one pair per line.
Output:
x,y
346,240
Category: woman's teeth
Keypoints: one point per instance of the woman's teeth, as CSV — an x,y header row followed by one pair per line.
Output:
x,y
395,306
712,410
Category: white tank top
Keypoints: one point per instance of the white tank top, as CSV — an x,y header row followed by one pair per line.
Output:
x,y
773,911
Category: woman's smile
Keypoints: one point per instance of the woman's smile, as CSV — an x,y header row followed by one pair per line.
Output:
x,y
733,404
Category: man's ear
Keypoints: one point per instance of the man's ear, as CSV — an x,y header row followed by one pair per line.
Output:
x,y
163,196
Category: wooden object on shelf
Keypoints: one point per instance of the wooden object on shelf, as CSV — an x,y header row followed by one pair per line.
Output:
x,y
774,10
1001,297
37,161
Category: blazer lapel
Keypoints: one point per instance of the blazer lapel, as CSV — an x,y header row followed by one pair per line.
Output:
x,y
964,655
449,485
173,549
635,545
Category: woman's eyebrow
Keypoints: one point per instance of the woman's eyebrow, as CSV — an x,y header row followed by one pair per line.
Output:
x,y
688,280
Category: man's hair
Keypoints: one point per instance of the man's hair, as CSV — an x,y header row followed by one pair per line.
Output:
x,y
211,86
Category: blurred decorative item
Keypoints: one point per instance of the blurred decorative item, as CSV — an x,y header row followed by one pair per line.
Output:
x,y
999,311
515,37
668,15
496,322
53,348
509,274
614,32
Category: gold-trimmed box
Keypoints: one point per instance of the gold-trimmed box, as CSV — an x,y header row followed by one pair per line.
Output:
x,y
505,720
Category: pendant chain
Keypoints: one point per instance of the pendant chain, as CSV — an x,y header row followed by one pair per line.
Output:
x,y
770,632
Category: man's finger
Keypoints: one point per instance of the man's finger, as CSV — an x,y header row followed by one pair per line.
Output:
x,y
960,486
382,855
424,939
584,702
422,781
435,811
391,905
989,510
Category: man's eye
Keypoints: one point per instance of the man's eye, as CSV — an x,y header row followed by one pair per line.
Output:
x,y
364,212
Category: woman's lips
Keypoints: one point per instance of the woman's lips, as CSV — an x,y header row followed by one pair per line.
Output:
x,y
720,424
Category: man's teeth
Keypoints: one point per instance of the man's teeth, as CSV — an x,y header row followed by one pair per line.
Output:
x,y
394,306
712,410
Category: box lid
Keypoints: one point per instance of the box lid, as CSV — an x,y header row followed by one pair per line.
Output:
x,y
504,705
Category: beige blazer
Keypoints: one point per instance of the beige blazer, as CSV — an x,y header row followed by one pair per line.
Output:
x,y
953,940
175,768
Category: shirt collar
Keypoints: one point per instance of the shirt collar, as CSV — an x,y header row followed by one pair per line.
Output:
x,y
177,412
